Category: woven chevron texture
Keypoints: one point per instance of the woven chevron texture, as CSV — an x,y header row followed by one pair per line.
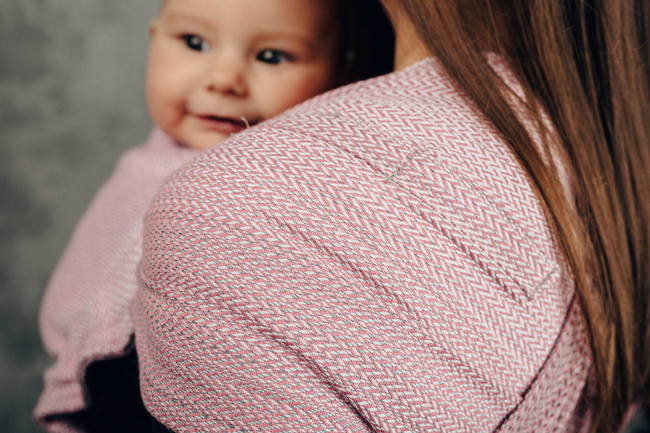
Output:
x,y
372,260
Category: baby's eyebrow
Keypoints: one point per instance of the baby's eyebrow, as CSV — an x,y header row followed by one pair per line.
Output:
x,y
179,17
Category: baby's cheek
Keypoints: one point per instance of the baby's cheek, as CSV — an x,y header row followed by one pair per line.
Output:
x,y
317,79
290,94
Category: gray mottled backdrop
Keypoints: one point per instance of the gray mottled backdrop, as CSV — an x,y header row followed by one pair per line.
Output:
x,y
71,100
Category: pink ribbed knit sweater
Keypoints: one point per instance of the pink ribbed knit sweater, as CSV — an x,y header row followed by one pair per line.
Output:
x,y
373,260
85,311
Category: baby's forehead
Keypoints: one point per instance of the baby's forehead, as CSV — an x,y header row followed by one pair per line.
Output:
x,y
314,18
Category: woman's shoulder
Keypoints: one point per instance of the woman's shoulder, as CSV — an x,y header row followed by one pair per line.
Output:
x,y
422,84
414,121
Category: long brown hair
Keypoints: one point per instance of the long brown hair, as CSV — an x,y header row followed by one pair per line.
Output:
x,y
587,64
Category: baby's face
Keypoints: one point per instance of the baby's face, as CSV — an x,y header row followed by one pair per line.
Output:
x,y
214,63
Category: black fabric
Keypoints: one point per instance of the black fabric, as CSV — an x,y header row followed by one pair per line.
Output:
x,y
114,394
115,404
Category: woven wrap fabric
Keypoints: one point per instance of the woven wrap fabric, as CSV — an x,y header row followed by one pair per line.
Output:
x,y
372,260
85,310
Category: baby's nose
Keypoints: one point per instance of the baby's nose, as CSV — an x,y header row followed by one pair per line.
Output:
x,y
227,75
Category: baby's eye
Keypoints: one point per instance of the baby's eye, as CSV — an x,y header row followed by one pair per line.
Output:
x,y
195,43
273,57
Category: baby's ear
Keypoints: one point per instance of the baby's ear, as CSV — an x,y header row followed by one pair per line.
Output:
x,y
153,26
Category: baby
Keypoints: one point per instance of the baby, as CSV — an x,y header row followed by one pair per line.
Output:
x,y
215,68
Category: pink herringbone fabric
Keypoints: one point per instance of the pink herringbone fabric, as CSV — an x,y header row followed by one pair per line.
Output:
x,y
85,311
373,260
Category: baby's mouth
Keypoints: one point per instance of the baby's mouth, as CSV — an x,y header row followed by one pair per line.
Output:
x,y
227,124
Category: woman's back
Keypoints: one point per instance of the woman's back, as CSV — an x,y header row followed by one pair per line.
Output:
x,y
375,259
